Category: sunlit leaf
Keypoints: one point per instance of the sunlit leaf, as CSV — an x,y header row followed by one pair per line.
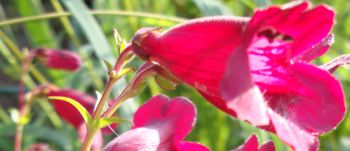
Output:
x,y
84,113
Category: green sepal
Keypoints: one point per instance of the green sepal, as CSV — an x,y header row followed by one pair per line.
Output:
x,y
165,83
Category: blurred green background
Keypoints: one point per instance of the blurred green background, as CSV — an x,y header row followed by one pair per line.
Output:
x,y
87,28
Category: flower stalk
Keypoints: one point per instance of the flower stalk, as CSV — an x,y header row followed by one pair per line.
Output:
x,y
114,74
89,139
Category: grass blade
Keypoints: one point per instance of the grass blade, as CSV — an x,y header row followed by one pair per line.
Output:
x,y
91,29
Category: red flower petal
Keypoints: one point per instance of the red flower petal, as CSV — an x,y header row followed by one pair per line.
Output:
x,y
66,110
269,146
251,144
319,49
195,52
190,146
318,105
178,114
240,92
143,138
296,137
304,27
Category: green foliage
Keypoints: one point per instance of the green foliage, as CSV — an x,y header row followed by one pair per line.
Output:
x,y
90,32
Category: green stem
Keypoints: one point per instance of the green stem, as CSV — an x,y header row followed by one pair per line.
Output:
x,y
89,138
103,100
92,128
18,137
119,101
94,12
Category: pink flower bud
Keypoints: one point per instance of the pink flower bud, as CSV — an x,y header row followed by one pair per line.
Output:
x,y
59,59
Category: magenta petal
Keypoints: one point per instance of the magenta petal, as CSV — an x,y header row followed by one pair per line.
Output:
x,y
251,144
191,146
142,138
319,49
179,112
196,52
296,137
66,110
240,93
269,146
303,27
318,105
159,124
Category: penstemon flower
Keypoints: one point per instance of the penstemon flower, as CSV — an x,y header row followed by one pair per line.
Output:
x,y
160,124
257,69
299,99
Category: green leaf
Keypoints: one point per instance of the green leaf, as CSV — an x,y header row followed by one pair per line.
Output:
x,y
110,120
84,113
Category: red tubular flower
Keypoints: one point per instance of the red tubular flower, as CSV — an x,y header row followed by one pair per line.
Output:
x,y
269,54
159,124
196,52
300,99
59,59
251,144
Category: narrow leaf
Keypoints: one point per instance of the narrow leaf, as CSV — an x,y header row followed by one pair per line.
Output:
x,y
84,113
